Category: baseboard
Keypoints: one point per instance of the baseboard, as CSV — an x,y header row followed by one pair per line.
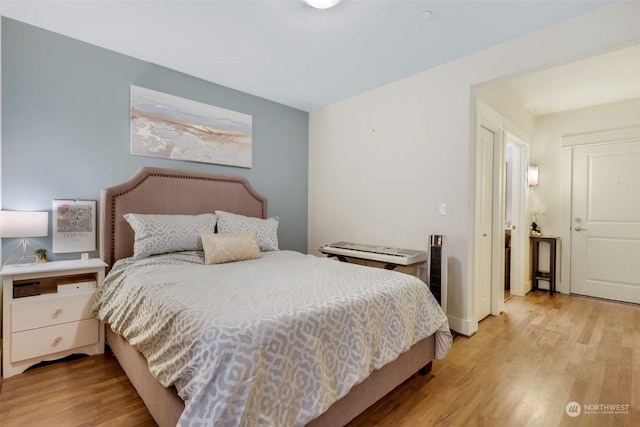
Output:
x,y
466,327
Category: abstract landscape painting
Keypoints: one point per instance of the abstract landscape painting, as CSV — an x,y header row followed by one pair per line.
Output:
x,y
176,128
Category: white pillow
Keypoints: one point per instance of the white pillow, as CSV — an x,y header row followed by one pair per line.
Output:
x,y
220,248
160,234
267,229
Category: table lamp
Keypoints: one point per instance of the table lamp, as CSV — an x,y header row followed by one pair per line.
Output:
x,y
23,224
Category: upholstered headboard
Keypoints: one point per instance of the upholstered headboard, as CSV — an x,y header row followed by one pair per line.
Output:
x,y
169,191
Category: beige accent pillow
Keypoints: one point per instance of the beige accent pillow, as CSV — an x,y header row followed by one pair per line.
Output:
x,y
221,247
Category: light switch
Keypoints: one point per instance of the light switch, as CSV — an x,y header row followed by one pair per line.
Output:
x,y
442,209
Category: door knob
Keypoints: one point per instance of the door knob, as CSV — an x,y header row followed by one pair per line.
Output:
x,y
578,228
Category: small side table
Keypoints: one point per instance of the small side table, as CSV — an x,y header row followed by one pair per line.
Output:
x,y
536,274
47,312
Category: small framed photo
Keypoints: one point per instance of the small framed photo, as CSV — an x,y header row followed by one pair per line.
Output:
x,y
74,226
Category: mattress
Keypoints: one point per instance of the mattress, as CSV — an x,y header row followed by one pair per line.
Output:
x,y
272,341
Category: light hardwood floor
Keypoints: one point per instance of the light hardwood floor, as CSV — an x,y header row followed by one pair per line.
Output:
x,y
522,368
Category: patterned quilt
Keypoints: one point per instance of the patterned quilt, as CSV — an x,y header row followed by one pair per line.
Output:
x,y
266,342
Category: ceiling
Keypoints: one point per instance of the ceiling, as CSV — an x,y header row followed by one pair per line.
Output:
x,y
287,52
601,79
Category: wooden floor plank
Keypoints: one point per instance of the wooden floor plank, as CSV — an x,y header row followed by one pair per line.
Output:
x,y
521,368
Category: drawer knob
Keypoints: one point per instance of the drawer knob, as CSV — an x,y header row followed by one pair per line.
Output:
x,y
56,341
57,312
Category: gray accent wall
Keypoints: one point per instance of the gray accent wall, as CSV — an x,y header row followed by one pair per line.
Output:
x,y
65,129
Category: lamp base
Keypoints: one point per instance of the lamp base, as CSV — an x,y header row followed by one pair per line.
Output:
x,y
20,255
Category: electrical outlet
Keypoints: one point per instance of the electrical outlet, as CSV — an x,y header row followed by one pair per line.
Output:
x,y
442,209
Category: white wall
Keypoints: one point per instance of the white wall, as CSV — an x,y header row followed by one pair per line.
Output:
x,y
546,152
380,162
516,118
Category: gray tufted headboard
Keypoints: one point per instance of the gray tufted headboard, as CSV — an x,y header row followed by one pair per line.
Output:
x,y
168,191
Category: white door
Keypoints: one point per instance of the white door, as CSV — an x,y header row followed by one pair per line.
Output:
x,y
605,229
484,193
519,226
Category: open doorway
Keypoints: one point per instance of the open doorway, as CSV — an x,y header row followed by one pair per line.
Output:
x,y
499,183
544,108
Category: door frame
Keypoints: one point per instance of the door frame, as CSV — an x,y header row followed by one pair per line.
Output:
x,y
490,119
519,236
567,145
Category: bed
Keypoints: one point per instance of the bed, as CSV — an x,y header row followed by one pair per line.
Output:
x,y
157,191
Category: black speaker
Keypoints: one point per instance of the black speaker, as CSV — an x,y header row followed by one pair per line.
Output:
x,y
437,269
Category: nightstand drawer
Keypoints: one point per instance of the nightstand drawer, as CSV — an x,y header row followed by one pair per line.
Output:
x,y
43,341
36,312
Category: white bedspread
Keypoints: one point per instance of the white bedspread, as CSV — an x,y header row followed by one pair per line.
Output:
x,y
266,342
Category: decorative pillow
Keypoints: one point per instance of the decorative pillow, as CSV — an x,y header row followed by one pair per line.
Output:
x,y
220,248
267,229
160,234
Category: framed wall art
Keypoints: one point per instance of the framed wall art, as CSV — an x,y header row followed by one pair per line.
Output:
x,y
171,127
74,226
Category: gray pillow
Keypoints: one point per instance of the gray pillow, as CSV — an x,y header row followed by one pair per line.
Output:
x,y
160,234
267,229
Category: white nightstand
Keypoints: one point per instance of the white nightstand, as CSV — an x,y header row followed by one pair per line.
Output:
x,y
55,323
